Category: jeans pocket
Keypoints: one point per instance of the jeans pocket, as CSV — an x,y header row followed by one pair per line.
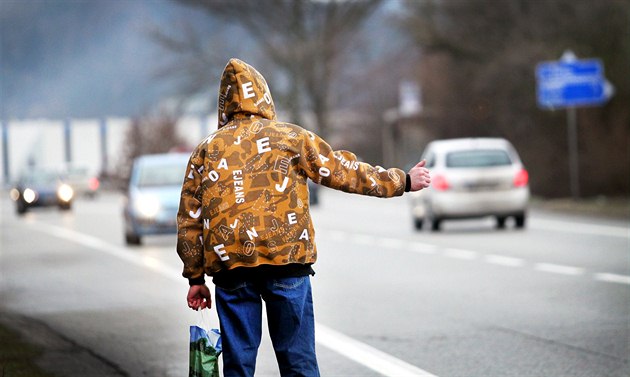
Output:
x,y
289,283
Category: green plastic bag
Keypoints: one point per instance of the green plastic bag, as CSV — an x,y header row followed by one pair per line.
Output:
x,y
205,348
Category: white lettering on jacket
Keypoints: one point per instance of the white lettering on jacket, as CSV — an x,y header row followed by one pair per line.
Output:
x,y
304,235
284,185
263,145
214,176
221,253
248,90
292,218
223,164
195,215
239,191
206,223
251,233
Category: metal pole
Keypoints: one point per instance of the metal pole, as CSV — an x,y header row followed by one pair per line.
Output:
x,y
574,164
103,132
5,152
67,133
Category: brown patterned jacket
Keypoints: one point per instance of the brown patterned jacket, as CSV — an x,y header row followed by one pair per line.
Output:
x,y
244,200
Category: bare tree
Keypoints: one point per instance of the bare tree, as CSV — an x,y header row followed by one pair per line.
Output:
x,y
304,38
148,134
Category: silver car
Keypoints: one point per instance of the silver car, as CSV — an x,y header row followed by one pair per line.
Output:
x,y
153,195
474,177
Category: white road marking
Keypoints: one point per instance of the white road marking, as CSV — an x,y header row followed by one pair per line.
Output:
x,y
461,254
111,249
366,355
359,352
558,269
502,260
390,243
581,228
612,278
423,248
363,239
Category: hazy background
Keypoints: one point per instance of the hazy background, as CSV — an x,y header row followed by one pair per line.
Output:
x,y
335,67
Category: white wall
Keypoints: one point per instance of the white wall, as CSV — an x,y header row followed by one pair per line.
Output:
x,y
42,142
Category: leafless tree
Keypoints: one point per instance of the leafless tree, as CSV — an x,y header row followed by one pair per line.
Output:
x,y
306,39
148,134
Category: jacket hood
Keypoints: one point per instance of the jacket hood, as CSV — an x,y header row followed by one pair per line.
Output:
x,y
243,91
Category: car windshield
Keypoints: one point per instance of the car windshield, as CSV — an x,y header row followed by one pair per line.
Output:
x,y
477,158
40,178
161,175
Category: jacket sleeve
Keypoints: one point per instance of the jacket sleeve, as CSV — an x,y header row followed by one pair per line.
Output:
x,y
190,222
341,170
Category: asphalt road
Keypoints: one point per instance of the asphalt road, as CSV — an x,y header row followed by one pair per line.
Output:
x,y
550,300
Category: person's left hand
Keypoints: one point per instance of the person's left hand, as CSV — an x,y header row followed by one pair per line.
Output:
x,y
420,177
199,297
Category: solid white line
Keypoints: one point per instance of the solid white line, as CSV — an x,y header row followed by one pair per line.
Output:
x,y
580,228
558,269
504,261
612,278
361,353
461,254
113,250
366,355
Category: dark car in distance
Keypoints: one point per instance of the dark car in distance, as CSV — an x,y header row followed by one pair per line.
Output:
x,y
39,187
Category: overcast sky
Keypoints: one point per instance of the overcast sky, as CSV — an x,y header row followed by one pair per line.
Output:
x,y
68,58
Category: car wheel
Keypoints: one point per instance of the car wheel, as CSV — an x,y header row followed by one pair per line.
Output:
x,y
20,208
435,225
65,206
501,222
520,220
417,223
133,239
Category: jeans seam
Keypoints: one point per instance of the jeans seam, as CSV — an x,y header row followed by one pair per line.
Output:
x,y
232,289
280,284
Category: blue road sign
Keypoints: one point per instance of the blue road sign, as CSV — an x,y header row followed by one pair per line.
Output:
x,y
571,83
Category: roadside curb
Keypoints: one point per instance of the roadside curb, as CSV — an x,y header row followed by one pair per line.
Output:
x,y
60,355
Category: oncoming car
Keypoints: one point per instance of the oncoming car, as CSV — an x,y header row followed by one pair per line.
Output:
x,y
474,177
39,187
153,195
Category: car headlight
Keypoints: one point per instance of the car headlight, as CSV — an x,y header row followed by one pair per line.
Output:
x,y
147,206
65,192
29,195
14,194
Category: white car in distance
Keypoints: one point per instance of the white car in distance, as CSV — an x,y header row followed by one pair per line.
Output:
x,y
472,178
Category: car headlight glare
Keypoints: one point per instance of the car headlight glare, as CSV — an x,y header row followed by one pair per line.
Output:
x,y
65,192
14,194
29,195
147,206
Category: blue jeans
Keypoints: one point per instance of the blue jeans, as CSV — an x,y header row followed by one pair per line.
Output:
x,y
290,319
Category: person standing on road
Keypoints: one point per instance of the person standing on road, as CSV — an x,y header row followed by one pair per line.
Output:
x,y
244,220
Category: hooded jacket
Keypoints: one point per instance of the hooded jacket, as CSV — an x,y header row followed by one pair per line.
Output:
x,y
244,200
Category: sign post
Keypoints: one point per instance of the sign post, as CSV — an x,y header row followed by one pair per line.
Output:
x,y
570,83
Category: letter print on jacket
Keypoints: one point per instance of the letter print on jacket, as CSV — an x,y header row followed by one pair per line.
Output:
x,y
245,197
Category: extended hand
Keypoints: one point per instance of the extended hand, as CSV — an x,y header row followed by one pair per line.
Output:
x,y
420,177
199,297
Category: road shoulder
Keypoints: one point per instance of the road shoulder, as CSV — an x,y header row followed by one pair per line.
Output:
x,y
53,352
